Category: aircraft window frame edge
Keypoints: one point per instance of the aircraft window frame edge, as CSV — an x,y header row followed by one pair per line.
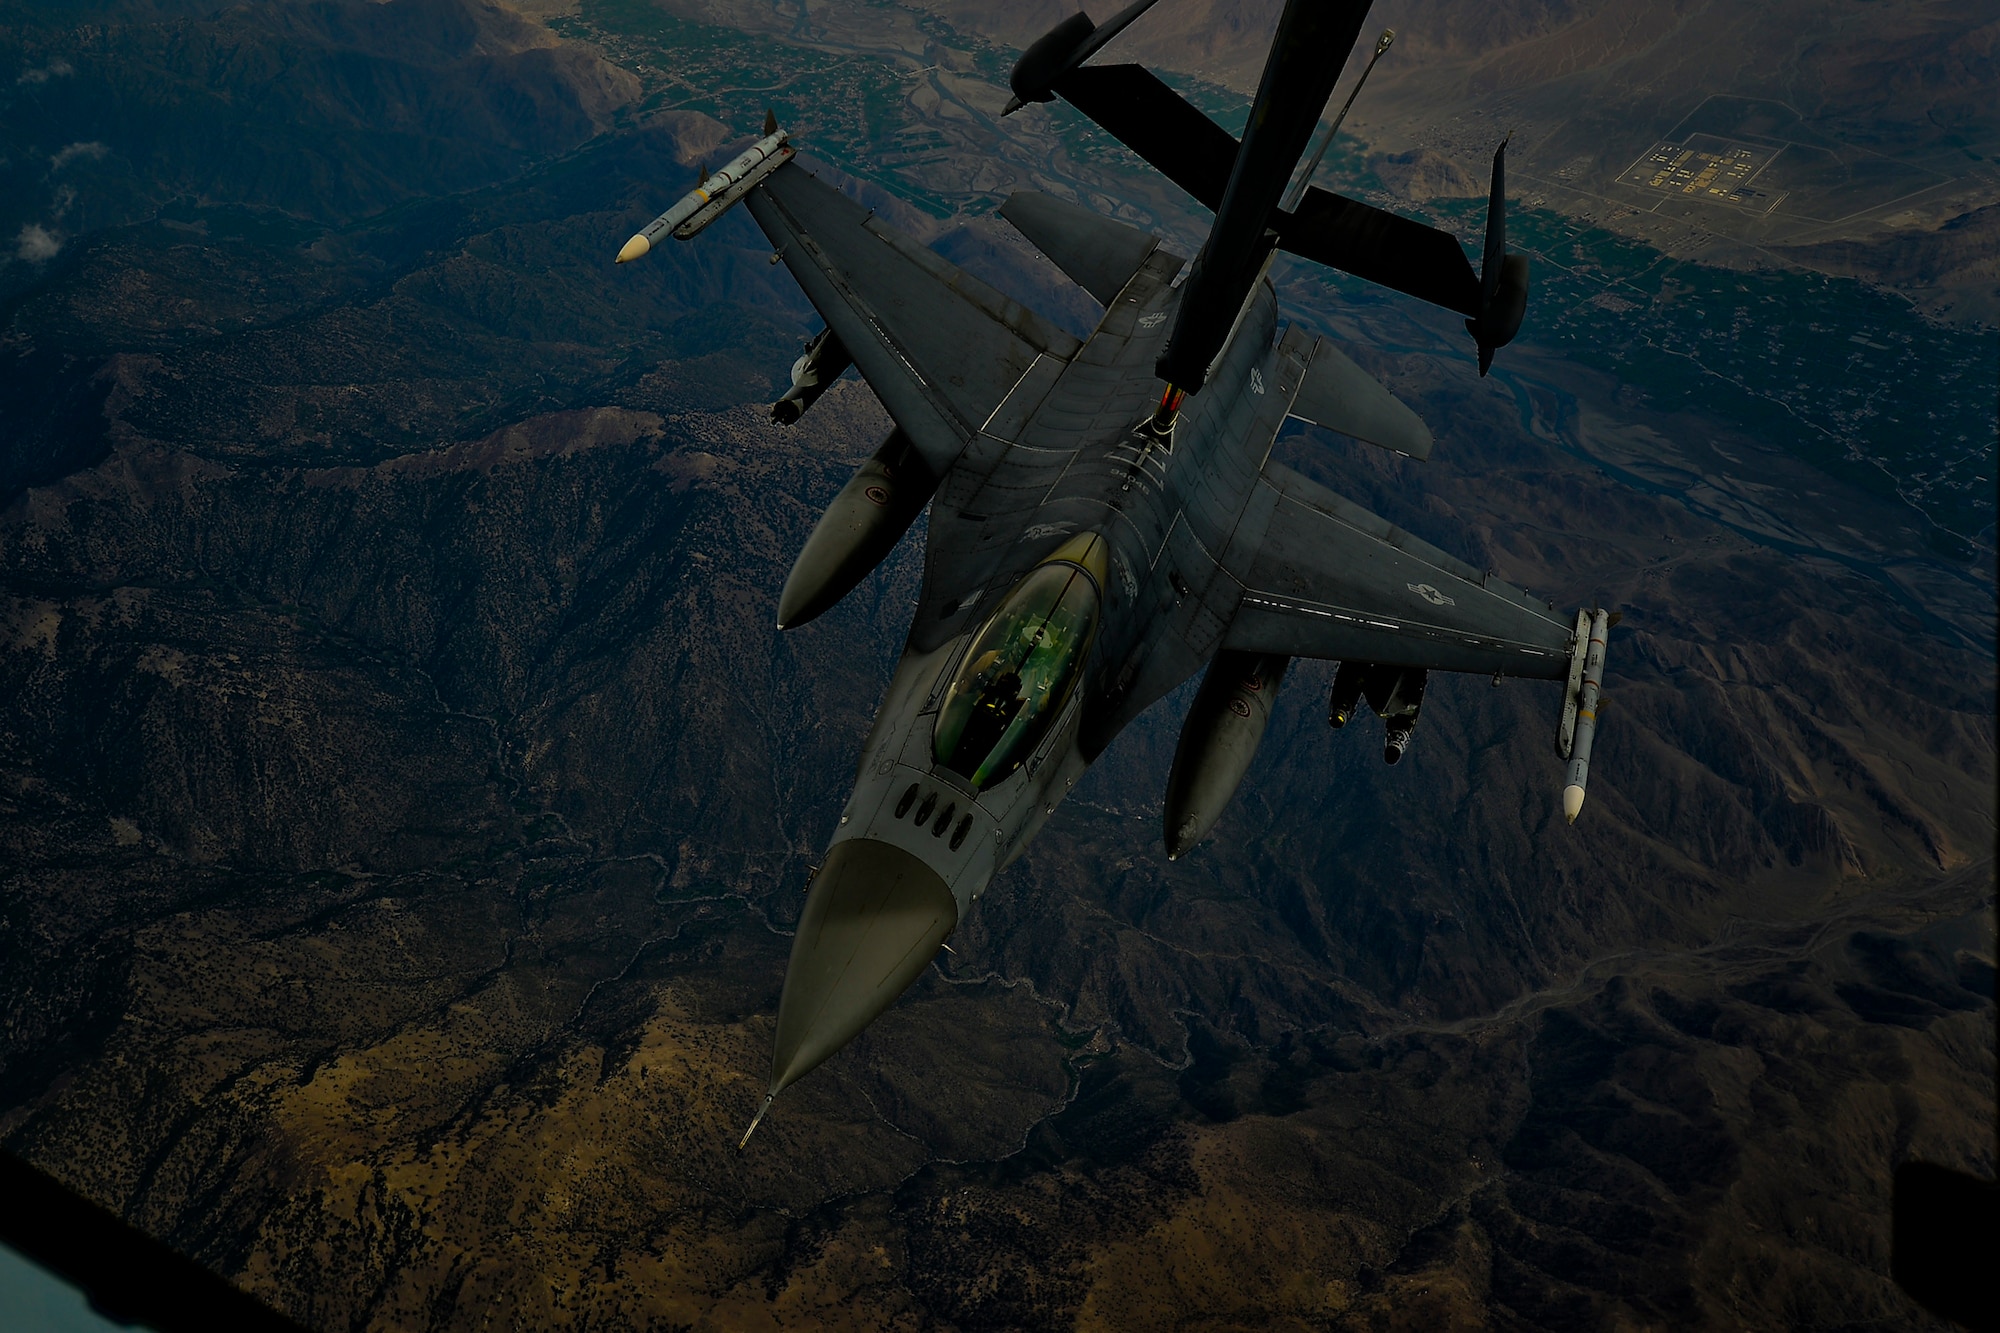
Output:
x,y
1049,723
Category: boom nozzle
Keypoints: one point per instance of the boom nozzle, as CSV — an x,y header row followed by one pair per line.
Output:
x,y
1304,178
755,1121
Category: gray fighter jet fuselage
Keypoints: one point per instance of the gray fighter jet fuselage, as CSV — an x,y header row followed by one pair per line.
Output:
x,y
1098,536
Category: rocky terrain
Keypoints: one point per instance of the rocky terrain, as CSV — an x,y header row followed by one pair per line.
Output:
x,y
404,799
1940,269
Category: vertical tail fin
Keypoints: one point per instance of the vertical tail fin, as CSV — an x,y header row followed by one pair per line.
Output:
x,y
1496,228
1503,278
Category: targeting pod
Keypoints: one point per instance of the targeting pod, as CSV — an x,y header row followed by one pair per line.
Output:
x,y
717,194
1395,694
1578,729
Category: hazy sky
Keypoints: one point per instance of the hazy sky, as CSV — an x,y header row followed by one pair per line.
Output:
x,y
38,1302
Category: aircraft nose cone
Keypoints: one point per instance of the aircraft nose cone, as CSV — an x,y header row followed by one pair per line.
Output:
x,y
873,921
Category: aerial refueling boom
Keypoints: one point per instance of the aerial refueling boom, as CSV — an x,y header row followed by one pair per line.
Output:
x,y
1246,182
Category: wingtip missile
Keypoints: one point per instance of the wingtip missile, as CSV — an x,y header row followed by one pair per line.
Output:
x,y
715,194
1578,731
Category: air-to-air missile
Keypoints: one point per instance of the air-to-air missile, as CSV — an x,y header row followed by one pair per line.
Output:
x,y
717,194
1578,730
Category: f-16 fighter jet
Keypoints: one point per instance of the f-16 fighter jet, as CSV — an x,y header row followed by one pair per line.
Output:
x,y
1105,520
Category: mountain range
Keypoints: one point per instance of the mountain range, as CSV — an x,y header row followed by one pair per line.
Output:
x,y
404,798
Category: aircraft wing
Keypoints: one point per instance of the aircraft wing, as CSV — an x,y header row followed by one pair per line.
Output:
x,y
939,347
1329,579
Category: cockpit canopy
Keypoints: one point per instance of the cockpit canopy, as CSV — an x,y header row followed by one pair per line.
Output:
x,y
1022,666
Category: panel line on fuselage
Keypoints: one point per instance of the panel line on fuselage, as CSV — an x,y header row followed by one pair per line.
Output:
x,y
1016,401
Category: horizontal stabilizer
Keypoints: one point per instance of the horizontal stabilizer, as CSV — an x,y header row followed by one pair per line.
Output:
x,y
1340,395
1097,254
1400,254
1157,123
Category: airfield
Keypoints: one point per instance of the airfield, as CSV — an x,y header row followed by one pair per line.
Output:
x,y
1759,160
